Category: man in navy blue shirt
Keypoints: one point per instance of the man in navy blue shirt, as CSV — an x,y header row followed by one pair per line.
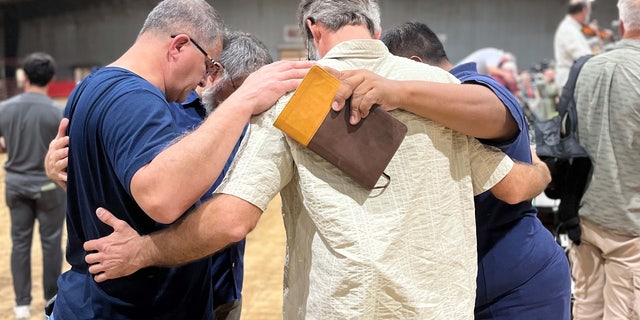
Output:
x,y
242,54
127,153
522,272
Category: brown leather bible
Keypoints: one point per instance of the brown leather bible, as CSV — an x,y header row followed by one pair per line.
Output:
x,y
362,151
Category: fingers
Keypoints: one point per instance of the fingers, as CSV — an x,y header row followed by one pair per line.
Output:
x,y
360,87
266,85
62,128
347,86
534,155
284,70
103,269
112,256
109,219
61,166
102,277
56,159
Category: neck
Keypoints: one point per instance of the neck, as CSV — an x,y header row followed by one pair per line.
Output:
x,y
141,60
631,34
36,89
346,33
579,17
446,65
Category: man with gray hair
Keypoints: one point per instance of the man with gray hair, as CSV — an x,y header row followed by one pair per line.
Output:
x,y
129,155
606,264
242,54
407,251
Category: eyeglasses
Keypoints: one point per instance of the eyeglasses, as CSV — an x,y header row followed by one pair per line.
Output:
x,y
212,66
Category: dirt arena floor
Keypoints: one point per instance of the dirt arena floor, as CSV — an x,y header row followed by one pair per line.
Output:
x,y
263,266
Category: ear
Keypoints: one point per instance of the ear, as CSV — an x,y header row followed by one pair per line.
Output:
x,y
313,29
378,34
215,78
416,58
178,42
621,27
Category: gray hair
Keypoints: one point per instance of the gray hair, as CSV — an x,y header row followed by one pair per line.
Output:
x,y
196,18
242,54
336,14
630,14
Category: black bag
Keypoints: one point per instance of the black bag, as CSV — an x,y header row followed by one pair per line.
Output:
x,y
558,146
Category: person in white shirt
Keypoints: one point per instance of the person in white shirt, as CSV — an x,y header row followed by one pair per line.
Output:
x,y
569,42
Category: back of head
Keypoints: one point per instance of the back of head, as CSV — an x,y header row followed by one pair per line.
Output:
x,y
415,39
629,11
242,54
195,18
336,14
576,6
39,68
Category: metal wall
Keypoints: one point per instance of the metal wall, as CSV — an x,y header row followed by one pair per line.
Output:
x,y
100,31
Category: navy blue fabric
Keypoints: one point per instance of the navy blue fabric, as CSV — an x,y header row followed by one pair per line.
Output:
x,y
543,293
513,256
120,123
189,114
227,269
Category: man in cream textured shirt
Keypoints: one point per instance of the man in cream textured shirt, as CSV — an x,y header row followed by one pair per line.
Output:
x,y
404,252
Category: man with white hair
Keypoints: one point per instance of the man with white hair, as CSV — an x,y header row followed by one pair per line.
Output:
x,y
569,43
606,264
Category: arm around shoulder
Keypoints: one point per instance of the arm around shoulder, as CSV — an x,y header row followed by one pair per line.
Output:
x,y
524,182
212,226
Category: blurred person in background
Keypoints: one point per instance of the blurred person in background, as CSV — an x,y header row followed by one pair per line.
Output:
x,y
606,264
27,123
496,63
569,42
549,95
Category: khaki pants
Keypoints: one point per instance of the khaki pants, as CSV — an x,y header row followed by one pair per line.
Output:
x,y
606,271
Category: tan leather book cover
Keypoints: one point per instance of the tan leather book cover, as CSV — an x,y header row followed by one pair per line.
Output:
x,y
362,151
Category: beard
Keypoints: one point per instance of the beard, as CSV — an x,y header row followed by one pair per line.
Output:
x,y
209,99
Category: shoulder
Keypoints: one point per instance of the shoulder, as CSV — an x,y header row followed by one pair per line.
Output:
x,y
399,68
117,86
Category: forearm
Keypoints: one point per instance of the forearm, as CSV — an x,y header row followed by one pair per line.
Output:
x,y
472,109
178,176
524,182
213,226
